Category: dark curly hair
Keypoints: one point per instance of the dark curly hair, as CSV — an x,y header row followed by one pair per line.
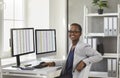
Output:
x,y
78,25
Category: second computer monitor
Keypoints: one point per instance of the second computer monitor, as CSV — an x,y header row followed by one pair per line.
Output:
x,y
45,42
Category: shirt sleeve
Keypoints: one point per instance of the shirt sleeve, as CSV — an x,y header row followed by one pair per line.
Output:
x,y
92,55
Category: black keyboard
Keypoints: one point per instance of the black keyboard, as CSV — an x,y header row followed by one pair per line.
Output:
x,y
27,68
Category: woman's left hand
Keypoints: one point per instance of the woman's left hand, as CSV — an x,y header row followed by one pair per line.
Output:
x,y
80,66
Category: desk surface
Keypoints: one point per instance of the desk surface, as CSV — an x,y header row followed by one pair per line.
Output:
x,y
47,72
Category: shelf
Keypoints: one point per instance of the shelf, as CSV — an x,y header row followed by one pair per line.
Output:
x,y
99,74
98,35
96,27
105,14
110,55
95,34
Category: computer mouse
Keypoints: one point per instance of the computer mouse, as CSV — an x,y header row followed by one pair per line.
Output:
x,y
27,68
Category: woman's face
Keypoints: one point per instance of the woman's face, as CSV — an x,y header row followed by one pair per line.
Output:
x,y
74,33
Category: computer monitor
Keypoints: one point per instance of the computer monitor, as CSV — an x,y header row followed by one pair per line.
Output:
x,y
45,42
22,42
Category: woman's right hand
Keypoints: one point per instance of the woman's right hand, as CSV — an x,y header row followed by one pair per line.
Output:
x,y
50,63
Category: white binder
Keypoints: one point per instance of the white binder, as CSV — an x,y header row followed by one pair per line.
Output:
x,y
109,67
94,42
85,40
90,41
114,67
114,26
110,26
106,25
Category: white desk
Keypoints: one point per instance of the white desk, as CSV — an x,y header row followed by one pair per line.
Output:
x,y
47,72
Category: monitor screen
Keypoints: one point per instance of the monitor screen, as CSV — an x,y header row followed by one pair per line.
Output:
x,y
45,41
22,42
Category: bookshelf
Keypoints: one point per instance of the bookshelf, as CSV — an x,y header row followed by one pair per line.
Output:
x,y
103,29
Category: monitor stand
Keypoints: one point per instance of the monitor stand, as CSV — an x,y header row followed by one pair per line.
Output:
x,y
17,61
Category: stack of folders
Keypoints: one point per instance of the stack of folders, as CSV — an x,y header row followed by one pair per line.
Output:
x,y
110,26
112,67
93,42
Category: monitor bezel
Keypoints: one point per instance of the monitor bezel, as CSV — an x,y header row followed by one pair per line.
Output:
x,y
12,46
49,52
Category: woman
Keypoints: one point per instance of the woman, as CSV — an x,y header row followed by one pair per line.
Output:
x,y
79,57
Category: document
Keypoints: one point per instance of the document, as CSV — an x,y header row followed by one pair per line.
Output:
x,y
90,41
114,67
94,42
106,26
85,40
109,67
110,26
115,26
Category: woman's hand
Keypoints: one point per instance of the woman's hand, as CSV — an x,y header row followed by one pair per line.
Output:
x,y
50,63
44,64
80,66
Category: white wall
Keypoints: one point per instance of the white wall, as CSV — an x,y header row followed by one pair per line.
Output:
x,y
38,13
49,14
1,24
1,28
58,21
76,11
